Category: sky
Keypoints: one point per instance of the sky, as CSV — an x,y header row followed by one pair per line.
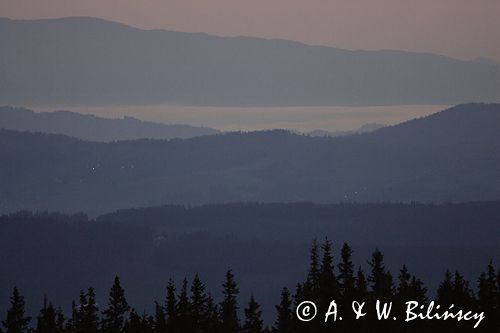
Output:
x,y
464,29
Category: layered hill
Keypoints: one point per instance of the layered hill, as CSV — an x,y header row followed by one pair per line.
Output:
x,y
92,128
452,155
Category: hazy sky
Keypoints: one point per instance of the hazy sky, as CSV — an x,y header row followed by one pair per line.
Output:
x,y
459,28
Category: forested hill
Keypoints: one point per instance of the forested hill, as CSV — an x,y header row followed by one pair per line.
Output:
x,y
449,156
382,223
89,61
265,244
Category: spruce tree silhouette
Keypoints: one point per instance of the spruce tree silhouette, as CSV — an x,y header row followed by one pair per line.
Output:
x,y
74,321
346,273
49,320
16,321
361,289
445,290
147,323
114,316
198,305
455,291
171,307
347,286
284,321
381,290
88,313
463,296
409,289
404,282
60,320
380,279
134,323
310,288
418,290
183,319
213,316
229,305
328,284
160,323
360,294
253,317
489,296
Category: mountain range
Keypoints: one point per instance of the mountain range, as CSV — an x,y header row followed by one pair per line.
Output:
x,y
89,61
451,155
93,128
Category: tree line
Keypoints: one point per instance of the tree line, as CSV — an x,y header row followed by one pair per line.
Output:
x,y
190,308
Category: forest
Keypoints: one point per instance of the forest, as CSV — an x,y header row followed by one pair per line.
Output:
x,y
190,307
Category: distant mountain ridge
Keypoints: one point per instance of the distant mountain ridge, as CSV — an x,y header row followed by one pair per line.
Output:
x,y
93,128
88,61
90,127
363,129
452,156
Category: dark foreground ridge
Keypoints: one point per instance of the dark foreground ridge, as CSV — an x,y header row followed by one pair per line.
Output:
x,y
190,307
265,245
